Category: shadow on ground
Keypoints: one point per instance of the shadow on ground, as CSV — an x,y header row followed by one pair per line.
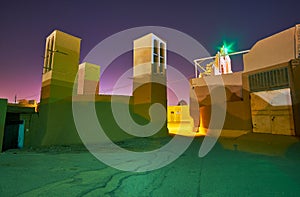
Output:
x,y
250,165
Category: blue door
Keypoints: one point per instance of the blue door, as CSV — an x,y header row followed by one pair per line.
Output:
x,y
21,134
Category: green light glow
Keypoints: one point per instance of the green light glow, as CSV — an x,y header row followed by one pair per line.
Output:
x,y
226,49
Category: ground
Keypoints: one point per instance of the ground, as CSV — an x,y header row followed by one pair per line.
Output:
x,y
249,165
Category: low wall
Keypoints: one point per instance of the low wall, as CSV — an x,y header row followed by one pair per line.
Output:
x,y
3,109
238,116
54,124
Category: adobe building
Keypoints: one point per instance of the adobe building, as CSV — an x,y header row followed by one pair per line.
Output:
x,y
61,62
237,116
15,123
65,81
265,97
149,73
62,52
179,120
271,81
149,77
3,108
88,78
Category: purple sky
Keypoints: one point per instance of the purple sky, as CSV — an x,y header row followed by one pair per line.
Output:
x,y
26,24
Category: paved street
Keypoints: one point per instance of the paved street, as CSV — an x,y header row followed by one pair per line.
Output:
x,y
250,165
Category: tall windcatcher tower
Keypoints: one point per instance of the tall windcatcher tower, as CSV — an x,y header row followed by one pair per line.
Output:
x,y
149,73
59,71
60,66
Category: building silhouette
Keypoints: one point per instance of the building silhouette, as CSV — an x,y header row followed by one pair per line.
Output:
x,y
61,61
64,82
149,73
263,98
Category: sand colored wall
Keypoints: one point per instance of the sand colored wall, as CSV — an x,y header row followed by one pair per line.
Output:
x,y
228,79
54,124
295,93
142,88
58,78
54,90
238,115
232,83
276,49
179,120
272,112
178,113
143,61
65,57
142,55
149,84
3,109
291,111
149,88
88,78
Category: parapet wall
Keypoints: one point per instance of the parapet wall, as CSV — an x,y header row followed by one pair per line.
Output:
x,y
276,49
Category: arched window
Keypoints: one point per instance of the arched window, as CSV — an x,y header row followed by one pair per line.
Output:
x,y
162,57
51,51
155,56
49,54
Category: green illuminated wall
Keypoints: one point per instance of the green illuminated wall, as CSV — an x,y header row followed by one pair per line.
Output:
x,y
3,108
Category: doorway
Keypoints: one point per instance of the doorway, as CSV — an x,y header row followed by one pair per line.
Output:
x,y
272,112
13,132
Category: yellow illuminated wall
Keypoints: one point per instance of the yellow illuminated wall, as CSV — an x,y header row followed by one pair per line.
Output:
x,y
88,78
60,66
3,108
180,122
149,73
276,49
55,126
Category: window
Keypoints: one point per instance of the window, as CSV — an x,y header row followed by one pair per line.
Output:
x,y
298,41
49,55
158,57
155,56
46,61
161,57
269,80
51,51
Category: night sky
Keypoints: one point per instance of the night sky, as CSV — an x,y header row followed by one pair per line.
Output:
x,y
25,25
